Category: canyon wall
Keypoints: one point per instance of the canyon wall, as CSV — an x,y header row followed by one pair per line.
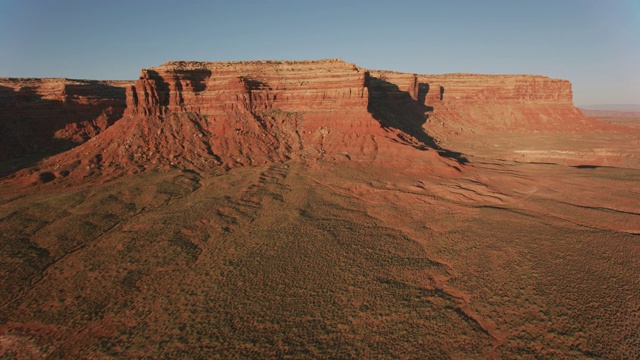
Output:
x,y
45,116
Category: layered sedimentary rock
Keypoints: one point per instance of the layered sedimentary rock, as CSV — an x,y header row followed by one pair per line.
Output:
x,y
220,89
204,115
476,102
272,107
611,113
48,115
393,85
396,100
251,112
501,89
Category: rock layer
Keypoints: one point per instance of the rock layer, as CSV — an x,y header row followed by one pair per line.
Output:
x,y
501,89
203,115
197,115
479,103
476,103
220,89
278,104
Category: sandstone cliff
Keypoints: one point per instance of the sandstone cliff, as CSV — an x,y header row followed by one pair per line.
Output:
x,y
203,115
611,113
528,103
44,116
458,103
220,89
260,110
199,115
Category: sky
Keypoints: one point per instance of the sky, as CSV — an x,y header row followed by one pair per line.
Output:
x,y
593,43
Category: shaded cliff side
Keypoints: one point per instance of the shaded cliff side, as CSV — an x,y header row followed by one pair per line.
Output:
x,y
46,116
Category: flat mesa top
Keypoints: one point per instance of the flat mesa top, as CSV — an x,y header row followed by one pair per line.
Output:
x,y
312,65
194,65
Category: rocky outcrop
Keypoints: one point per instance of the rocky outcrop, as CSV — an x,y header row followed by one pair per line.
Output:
x,y
475,89
222,89
249,112
281,105
44,116
495,103
465,106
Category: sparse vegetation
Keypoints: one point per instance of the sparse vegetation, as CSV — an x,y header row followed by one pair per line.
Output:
x,y
284,260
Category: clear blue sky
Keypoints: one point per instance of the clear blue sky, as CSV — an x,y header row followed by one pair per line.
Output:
x,y
593,43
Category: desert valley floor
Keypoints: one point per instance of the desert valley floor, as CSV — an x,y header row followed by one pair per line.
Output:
x,y
319,260
502,246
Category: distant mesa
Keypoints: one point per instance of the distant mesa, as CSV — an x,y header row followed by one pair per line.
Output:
x,y
611,113
46,116
612,107
206,115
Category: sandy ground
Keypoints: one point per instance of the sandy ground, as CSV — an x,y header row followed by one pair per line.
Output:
x,y
616,146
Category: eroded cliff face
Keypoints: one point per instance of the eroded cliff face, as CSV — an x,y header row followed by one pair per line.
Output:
x,y
495,103
473,103
476,89
205,115
223,89
199,115
44,116
261,110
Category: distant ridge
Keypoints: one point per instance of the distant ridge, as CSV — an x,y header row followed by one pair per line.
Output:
x,y
612,107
